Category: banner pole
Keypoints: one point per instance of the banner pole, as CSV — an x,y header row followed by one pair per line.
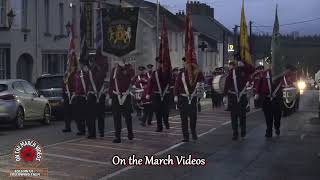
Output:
x,y
157,33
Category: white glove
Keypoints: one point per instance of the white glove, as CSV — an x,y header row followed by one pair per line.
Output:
x,y
256,97
176,99
147,96
110,102
225,99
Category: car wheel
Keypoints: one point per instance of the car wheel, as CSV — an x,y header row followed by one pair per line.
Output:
x,y
19,121
46,115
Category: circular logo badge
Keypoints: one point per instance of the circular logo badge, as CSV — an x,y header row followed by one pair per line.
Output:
x,y
28,152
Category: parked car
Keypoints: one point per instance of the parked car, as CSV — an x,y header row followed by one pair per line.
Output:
x,y
20,102
50,86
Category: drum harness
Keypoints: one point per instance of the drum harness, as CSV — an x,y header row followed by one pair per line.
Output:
x,y
272,95
162,94
117,92
187,94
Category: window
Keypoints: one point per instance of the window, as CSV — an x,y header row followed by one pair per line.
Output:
x,y
3,64
28,88
24,14
18,87
3,87
47,15
61,18
74,18
3,12
54,63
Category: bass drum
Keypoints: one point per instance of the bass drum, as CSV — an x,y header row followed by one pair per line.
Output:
x,y
218,83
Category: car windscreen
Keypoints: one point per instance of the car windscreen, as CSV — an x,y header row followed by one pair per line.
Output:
x,y
50,82
3,87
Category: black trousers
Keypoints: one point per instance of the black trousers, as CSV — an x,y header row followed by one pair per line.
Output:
x,y
91,114
67,112
122,110
147,113
188,111
101,106
272,113
238,113
79,110
215,99
161,108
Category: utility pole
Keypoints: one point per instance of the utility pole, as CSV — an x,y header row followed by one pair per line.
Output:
x,y
250,24
235,39
250,38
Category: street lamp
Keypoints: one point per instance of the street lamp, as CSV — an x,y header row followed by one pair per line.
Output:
x,y
11,16
68,27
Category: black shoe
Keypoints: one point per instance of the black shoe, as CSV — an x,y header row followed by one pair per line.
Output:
x,y
117,140
167,126
143,124
268,135
185,140
130,137
66,130
92,137
81,133
159,130
234,138
194,136
243,134
278,132
102,135
149,123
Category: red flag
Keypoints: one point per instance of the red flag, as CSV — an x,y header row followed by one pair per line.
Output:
x,y
189,41
164,56
72,58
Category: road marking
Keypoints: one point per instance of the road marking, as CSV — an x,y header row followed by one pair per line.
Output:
x,y
103,147
228,122
74,149
78,159
157,154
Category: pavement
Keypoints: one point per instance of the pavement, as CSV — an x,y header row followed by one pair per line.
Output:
x,y
293,155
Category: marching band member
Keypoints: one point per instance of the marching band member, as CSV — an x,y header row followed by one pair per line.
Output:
x,y
80,100
119,93
186,95
148,74
270,88
255,77
159,88
235,87
68,93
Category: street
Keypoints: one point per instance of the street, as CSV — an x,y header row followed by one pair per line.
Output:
x,y
294,154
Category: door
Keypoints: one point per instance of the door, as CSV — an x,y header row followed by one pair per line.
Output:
x,y
23,98
35,105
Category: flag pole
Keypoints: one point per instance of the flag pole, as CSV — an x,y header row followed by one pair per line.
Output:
x,y
157,33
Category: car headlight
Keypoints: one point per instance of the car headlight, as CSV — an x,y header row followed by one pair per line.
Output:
x,y
302,85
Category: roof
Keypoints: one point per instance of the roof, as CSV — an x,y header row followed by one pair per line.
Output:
x,y
209,27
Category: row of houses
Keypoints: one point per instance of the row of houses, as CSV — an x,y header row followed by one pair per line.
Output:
x,y
35,40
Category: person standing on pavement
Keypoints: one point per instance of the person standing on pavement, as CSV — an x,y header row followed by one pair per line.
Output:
x,y
119,98
68,93
186,95
80,101
270,88
236,89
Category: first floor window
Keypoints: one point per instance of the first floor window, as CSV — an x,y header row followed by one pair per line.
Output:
x,y
54,63
3,12
3,63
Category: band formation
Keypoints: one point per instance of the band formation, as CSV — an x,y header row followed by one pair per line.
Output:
x,y
156,88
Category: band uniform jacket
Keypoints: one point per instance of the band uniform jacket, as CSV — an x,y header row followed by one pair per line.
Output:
x,y
165,83
242,75
179,88
80,83
122,75
276,85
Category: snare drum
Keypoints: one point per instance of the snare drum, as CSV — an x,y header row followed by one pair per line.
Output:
x,y
219,82
138,93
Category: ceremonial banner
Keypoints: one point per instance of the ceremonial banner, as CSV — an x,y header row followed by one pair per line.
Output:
x,y
244,39
72,59
119,25
164,56
277,64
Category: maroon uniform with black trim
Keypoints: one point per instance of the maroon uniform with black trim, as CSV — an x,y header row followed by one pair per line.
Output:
x,y
188,102
235,87
120,82
271,90
160,97
67,98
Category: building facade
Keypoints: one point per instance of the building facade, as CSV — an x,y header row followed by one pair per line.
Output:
x,y
37,41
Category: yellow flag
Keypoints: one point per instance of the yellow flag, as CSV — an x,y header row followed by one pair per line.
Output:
x,y
244,39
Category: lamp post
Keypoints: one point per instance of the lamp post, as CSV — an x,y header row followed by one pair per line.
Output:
x,y
11,16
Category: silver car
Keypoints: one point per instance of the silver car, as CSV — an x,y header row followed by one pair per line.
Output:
x,y
20,102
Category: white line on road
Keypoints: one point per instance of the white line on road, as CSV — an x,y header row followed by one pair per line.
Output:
x,y
228,122
78,159
104,147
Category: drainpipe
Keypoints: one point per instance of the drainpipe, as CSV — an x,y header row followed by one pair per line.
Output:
x,y
36,60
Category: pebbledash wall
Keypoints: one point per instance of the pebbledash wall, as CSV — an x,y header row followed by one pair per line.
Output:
x,y
37,42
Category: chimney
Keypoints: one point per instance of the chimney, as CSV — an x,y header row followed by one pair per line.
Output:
x,y
201,9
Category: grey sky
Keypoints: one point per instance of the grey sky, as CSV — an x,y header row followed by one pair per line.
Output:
x,y
261,12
